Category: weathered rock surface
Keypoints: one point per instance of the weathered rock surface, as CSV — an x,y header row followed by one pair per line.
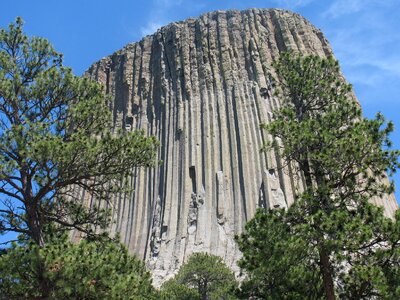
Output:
x,y
202,87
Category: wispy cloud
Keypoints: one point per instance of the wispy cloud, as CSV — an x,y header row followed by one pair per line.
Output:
x,y
159,15
292,4
150,28
345,7
365,39
168,2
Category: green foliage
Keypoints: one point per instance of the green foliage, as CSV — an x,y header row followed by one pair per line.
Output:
x,y
55,137
203,276
281,258
88,270
376,265
341,245
321,129
172,290
279,263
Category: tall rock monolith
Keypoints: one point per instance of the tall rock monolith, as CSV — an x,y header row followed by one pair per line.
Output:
x,y
202,87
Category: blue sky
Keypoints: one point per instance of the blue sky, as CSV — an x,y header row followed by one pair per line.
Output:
x,y
363,33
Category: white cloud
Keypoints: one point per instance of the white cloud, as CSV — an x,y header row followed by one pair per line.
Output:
x,y
150,28
168,2
367,61
293,3
345,7
365,39
342,7
361,77
158,15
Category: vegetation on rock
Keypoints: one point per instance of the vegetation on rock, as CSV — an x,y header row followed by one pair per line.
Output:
x,y
332,242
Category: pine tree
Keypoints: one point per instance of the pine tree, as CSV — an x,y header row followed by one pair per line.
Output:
x,y
202,277
279,263
343,158
172,290
87,270
55,137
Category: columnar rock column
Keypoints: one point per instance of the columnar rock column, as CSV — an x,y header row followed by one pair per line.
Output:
x,y
202,87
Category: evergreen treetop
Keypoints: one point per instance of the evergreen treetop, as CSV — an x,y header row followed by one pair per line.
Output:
x,y
56,138
332,227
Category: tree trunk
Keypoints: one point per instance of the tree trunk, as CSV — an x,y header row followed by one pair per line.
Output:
x,y
326,271
203,290
34,224
36,233
44,283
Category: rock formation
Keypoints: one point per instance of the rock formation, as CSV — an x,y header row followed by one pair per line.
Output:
x,y
202,87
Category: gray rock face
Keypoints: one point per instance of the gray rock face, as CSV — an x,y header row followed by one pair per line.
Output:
x,y
202,87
